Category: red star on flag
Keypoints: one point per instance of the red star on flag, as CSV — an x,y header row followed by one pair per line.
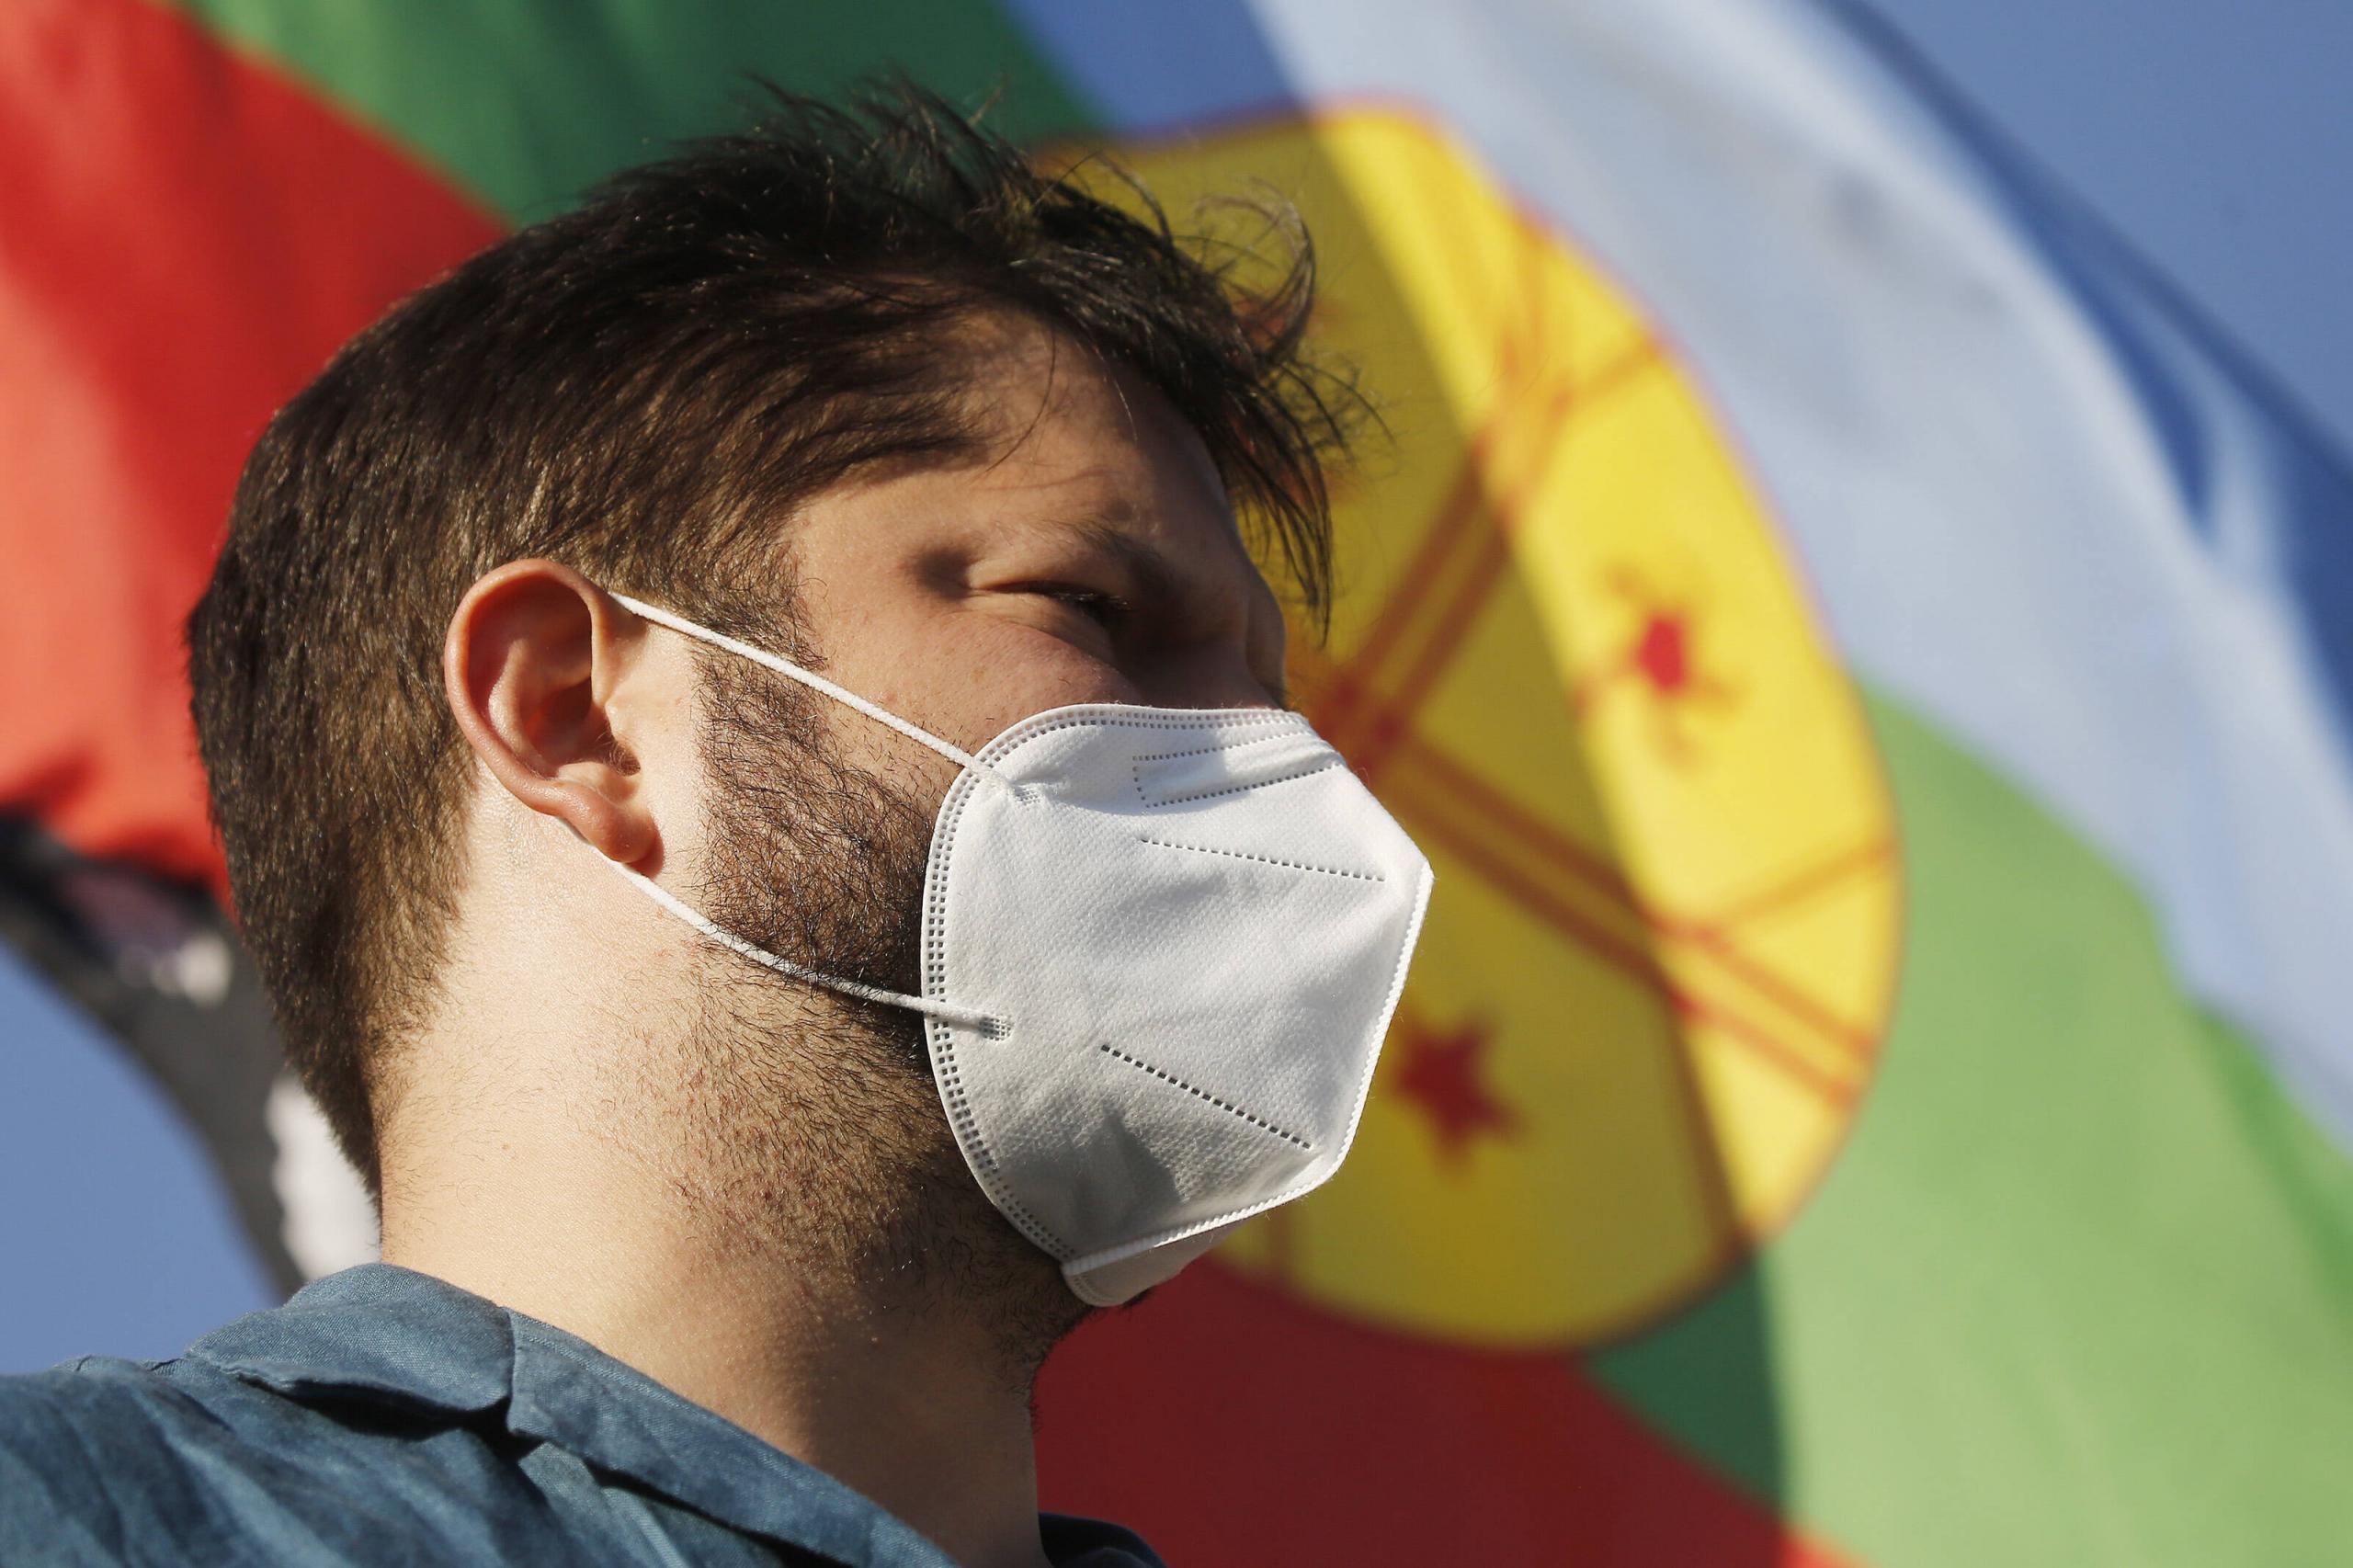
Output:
x,y
1441,1072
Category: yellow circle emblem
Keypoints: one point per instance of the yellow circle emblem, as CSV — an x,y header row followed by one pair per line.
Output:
x,y
1571,658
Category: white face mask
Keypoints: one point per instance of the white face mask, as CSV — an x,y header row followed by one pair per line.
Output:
x,y
1160,949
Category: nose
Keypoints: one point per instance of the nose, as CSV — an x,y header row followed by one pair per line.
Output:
x,y
1208,674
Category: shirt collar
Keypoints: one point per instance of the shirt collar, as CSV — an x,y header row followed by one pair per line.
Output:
x,y
393,1333
390,1335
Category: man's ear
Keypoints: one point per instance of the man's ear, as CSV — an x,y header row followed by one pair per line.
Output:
x,y
530,663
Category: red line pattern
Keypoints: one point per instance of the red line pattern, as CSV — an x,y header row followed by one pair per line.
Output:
x,y
1367,705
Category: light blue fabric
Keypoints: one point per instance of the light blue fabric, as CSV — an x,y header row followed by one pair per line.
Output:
x,y
383,1416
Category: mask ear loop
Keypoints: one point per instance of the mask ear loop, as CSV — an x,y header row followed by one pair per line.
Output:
x,y
946,1012
816,682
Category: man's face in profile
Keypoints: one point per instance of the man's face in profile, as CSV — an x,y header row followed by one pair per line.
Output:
x,y
1085,554
594,642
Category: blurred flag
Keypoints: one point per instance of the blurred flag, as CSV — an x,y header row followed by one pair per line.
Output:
x,y
1872,670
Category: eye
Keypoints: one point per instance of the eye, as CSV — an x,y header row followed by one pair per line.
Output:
x,y
1107,610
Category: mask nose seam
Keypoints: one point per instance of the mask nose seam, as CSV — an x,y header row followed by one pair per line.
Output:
x,y
1136,764
1324,765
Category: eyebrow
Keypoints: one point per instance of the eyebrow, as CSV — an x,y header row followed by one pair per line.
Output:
x,y
1149,568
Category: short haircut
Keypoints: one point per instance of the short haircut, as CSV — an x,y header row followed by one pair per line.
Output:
x,y
643,389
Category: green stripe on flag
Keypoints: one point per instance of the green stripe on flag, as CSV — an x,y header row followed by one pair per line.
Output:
x,y
523,103
2076,1292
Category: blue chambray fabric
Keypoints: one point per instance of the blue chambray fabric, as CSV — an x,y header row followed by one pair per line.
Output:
x,y
384,1416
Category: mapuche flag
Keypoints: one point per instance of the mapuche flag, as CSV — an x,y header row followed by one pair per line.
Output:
x,y
1872,668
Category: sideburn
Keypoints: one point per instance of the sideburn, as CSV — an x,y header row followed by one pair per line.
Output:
x,y
811,858
827,1132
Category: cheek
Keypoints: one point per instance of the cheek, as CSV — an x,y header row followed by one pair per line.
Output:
x,y
998,668
965,674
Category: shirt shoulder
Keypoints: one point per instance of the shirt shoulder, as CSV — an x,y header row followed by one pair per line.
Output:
x,y
76,1443
69,1424
186,1462
110,1461
98,1423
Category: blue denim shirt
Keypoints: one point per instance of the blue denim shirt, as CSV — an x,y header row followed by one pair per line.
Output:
x,y
383,1416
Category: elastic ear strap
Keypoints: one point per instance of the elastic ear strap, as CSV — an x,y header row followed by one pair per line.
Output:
x,y
946,1012
816,682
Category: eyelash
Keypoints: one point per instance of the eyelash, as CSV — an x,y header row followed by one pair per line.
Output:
x,y
1107,610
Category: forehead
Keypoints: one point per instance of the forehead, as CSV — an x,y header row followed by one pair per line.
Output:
x,y
1085,441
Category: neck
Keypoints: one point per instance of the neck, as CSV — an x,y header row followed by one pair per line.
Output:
x,y
852,1355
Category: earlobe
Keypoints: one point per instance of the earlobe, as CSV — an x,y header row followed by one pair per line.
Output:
x,y
529,666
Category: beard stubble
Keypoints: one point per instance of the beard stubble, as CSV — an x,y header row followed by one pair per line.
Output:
x,y
814,1117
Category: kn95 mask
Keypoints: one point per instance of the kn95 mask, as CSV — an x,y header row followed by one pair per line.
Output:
x,y
1160,948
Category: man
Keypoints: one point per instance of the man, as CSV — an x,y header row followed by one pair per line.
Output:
x,y
759,1069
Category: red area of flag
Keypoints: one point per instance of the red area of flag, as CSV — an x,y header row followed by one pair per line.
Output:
x,y
1231,1423
187,239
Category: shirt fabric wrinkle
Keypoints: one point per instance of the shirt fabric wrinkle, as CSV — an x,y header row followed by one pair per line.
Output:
x,y
383,1416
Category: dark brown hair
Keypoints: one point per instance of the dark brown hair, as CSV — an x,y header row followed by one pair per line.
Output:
x,y
642,389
